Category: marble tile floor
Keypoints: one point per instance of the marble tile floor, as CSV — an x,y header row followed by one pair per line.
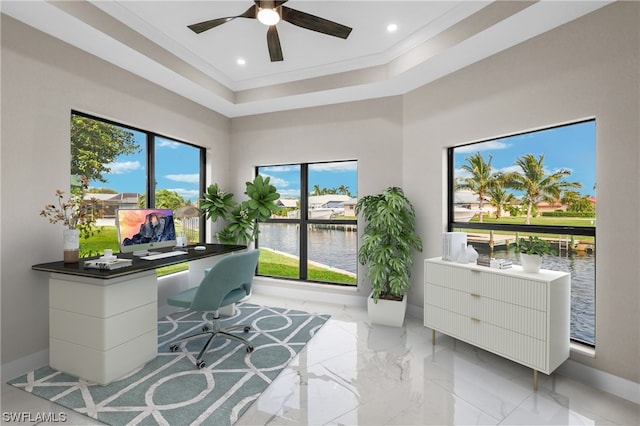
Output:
x,y
353,373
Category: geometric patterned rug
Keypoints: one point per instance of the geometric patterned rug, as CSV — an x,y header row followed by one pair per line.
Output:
x,y
170,390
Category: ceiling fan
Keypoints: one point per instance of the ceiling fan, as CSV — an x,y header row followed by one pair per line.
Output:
x,y
270,13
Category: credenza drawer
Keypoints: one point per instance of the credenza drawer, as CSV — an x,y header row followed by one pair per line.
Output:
x,y
509,344
512,317
495,285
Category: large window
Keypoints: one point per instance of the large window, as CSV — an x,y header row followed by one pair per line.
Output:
x,y
129,168
314,236
539,183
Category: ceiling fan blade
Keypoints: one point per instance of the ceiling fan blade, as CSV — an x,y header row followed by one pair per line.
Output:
x,y
314,23
273,43
207,25
269,4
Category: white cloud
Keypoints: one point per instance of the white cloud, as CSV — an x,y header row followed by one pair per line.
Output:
x,y
291,168
188,178
163,143
484,146
187,194
342,166
276,181
123,167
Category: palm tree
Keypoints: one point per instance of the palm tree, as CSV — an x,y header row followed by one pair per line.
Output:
x,y
482,179
343,189
500,199
537,184
316,189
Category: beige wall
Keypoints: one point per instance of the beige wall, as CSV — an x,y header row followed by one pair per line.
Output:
x,y
588,68
42,80
367,131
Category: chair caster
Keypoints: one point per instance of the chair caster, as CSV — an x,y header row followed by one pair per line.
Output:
x,y
173,348
246,329
201,364
249,349
206,328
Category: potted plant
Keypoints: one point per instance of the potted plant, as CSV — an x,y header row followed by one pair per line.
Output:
x,y
531,251
241,217
388,243
78,215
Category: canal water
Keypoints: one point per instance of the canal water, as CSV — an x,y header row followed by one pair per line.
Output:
x,y
339,249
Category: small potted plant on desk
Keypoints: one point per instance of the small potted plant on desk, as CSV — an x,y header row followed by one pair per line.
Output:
x,y
388,243
531,252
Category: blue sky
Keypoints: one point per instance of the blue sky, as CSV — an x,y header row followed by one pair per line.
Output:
x,y
327,175
177,165
176,169
570,147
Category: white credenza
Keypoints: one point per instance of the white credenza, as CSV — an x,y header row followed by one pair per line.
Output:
x,y
520,316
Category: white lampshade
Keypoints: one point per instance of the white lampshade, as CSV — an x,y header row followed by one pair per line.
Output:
x,y
268,16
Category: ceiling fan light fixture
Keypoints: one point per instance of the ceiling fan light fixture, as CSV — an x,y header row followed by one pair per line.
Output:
x,y
268,16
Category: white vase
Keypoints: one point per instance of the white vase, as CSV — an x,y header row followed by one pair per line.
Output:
x,y
472,254
530,262
462,255
71,245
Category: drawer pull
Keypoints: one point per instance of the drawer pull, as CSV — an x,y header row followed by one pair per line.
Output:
x,y
475,295
476,270
475,319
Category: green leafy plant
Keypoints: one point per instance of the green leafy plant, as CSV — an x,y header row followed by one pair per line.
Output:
x,y
216,203
533,245
388,242
241,217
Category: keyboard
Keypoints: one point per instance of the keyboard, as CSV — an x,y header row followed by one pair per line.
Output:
x,y
163,255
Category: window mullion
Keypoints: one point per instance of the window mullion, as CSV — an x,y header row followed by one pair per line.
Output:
x,y
304,217
151,171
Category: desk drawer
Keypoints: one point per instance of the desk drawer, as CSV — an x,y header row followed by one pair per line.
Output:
x,y
103,301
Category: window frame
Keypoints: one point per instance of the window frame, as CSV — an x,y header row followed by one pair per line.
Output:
x,y
304,221
150,139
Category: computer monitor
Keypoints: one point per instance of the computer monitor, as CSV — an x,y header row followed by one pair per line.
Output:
x,y
140,230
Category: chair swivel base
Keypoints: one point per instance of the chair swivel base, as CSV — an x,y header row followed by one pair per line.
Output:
x,y
207,331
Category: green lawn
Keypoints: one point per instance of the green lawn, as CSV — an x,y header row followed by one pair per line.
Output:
x,y
271,263
543,220
277,265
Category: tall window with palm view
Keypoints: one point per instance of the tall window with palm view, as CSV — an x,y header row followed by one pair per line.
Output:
x,y
540,184
313,236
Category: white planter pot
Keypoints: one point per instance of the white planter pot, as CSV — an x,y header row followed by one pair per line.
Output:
x,y
387,312
530,262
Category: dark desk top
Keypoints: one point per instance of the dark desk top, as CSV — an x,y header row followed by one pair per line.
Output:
x,y
139,265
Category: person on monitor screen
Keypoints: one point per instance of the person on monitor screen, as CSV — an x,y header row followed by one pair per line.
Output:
x,y
155,227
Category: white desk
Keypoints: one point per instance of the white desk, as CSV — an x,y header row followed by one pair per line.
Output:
x,y
103,324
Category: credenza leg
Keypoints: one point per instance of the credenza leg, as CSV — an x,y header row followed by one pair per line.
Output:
x,y
535,380
433,337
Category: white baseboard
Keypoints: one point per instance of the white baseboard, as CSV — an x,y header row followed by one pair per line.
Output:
x,y
308,291
602,380
13,369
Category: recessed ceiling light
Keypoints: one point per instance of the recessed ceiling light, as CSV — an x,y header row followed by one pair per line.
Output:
x,y
392,27
241,61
